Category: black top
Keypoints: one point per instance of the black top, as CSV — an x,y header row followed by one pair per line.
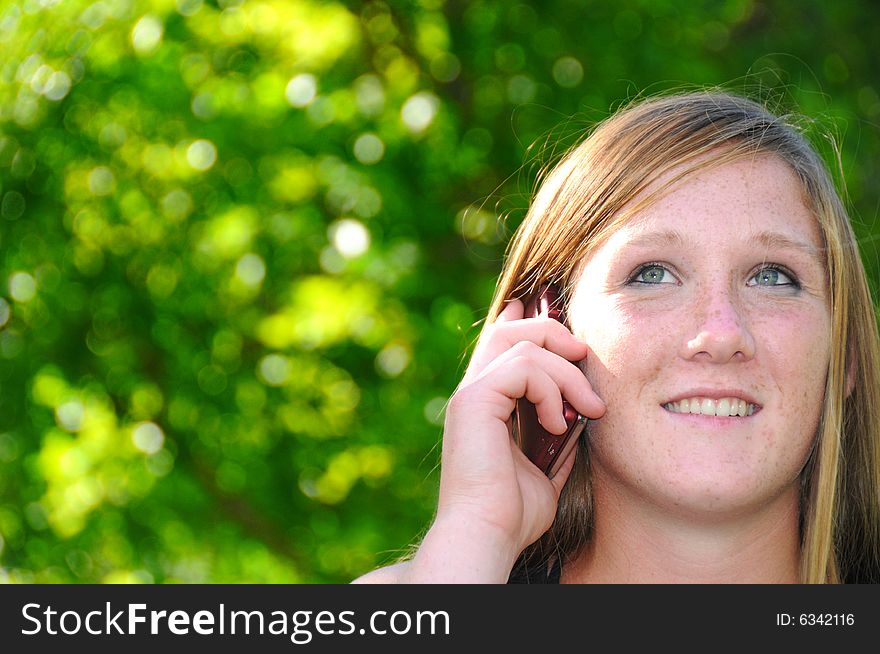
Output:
x,y
524,573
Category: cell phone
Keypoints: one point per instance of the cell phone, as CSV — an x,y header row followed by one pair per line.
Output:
x,y
546,450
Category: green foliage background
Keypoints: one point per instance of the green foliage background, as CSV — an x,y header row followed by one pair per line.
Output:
x,y
244,245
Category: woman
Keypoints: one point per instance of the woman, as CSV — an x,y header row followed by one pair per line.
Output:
x,y
731,370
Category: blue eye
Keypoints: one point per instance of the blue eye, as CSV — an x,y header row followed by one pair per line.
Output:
x,y
652,273
773,276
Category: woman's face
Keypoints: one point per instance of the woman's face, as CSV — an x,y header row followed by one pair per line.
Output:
x,y
716,296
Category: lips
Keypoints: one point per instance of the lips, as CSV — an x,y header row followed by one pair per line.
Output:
x,y
725,407
725,404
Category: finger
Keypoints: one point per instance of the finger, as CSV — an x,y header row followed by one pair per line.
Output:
x,y
516,378
568,378
513,310
558,480
484,353
544,332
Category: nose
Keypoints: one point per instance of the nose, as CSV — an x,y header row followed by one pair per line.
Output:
x,y
721,332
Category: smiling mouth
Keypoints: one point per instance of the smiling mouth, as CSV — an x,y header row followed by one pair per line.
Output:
x,y
725,407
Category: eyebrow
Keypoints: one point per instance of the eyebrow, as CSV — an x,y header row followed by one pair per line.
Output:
x,y
658,239
767,239
775,240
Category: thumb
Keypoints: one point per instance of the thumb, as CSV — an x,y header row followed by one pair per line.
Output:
x,y
562,475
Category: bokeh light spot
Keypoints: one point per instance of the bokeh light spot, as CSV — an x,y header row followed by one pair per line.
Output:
x,y
393,360
146,36
369,94
568,72
9,21
201,154
349,237
331,260
301,90
57,86
369,149
233,21
112,136
368,202
445,67
148,437
477,224
188,7
212,380
11,344
203,106
13,205
162,280
418,111
250,269
70,415
146,401
22,287
274,369
521,89
102,181
435,410
321,111
160,463
177,204
5,312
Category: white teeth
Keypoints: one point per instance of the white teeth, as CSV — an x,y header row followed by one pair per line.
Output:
x,y
708,407
726,407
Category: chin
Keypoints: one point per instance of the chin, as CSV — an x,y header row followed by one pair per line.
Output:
x,y
710,498
696,487
725,498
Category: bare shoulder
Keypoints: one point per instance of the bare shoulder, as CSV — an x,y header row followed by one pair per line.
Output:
x,y
390,574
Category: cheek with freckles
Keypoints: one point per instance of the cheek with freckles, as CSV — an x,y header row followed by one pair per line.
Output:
x,y
793,355
798,362
627,347
627,354
797,358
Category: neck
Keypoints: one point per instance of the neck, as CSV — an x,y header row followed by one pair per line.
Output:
x,y
635,542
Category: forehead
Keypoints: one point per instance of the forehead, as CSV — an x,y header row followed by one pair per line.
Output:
x,y
758,199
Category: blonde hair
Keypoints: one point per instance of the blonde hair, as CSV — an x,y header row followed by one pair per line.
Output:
x,y
603,181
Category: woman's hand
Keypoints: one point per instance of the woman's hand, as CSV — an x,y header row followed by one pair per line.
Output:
x,y
493,500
